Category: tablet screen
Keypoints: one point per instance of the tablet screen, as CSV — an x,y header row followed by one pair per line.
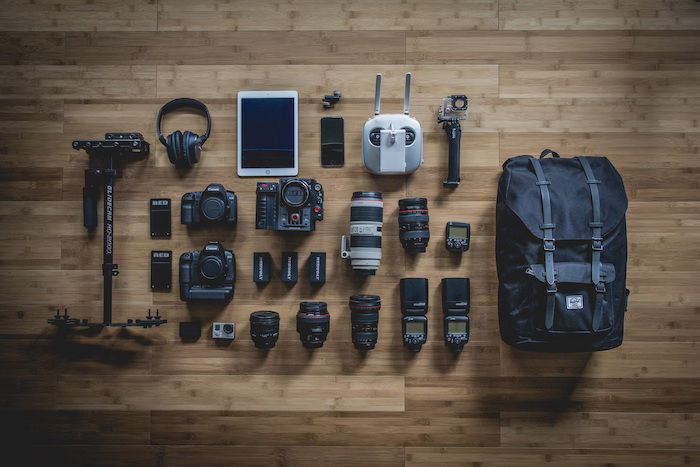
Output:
x,y
267,133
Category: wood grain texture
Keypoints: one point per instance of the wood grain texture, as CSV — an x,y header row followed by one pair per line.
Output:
x,y
614,78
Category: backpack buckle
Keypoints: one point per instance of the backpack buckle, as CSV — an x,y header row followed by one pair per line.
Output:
x,y
548,244
597,244
600,287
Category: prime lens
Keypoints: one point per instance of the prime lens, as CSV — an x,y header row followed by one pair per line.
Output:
x,y
264,328
364,315
365,245
313,323
413,224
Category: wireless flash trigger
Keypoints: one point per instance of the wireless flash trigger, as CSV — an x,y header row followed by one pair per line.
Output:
x,y
184,148
392,143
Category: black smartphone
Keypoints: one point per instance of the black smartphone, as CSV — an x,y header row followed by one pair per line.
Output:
x,y
332,142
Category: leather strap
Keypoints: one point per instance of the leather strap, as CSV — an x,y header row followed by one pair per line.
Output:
x,y
547,241
596,242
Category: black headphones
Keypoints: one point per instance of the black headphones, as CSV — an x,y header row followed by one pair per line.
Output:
x,y
184,149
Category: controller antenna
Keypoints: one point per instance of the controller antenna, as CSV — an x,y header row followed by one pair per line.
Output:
x,y
407,94
377,93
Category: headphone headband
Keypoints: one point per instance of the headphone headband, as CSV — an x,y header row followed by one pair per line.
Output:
x,y
179,103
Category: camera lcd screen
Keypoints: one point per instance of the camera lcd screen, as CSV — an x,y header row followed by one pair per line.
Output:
x,y
415,327
457,327
458,232
267,133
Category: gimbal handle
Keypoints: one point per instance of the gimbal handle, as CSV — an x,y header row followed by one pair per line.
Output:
x,y
454,136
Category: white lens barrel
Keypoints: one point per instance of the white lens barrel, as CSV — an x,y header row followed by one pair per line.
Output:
x,y
364,247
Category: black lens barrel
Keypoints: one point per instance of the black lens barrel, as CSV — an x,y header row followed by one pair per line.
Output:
x,y
414,230
264,328
313,323
365,320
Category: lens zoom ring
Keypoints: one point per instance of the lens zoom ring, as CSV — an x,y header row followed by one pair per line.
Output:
x,y
364,213
365,241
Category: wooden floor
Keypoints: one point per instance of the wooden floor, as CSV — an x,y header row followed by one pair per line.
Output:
x,y
619,78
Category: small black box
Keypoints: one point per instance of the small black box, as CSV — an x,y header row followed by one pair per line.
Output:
x,y
455,295
317,267
161,270
414,295
190,331
290,272
160,217
262,266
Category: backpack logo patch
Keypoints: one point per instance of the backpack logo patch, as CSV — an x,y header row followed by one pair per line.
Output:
x,y
574,302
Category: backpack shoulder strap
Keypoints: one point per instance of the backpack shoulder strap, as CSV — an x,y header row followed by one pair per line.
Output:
x,y
596,240
547,240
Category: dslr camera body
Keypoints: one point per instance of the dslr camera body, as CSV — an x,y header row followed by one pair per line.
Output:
x,y
293,204
208,275
392,143
214,205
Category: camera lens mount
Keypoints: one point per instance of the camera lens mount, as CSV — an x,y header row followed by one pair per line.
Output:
x,y
295,193
211,267
213,208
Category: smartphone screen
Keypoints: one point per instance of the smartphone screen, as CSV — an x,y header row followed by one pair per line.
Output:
x,y
332,142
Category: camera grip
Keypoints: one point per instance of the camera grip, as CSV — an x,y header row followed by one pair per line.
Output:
x,y
454,136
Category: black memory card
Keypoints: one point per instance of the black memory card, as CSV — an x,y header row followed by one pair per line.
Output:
x,y
161,270
160,217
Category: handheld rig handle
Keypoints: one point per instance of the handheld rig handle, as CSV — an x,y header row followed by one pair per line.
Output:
x,y
454,136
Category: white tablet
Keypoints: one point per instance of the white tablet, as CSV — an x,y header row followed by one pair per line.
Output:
x,y
268,133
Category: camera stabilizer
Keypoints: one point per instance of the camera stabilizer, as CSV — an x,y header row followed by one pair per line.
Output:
x,y
452,110
113,150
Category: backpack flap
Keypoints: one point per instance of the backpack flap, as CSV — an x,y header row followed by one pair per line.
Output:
x,y
571,208
576,306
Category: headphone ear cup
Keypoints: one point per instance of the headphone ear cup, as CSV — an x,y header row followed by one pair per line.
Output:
x,y
169,146
186,139
177,148
194,149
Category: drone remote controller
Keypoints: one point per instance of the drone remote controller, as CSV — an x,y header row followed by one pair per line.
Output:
x,y
392,143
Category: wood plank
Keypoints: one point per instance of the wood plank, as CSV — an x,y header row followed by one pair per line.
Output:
x,y
323,429
633,360
507,456
60,82
545,47
79,15
235,47
85,427
552,394
599,80
236,392
355,81
275,455
225,15
22,48
600,430
598,14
